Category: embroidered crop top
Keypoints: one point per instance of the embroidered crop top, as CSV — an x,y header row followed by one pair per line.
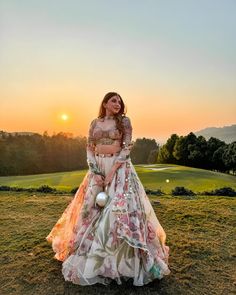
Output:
x,y
109,136
100,133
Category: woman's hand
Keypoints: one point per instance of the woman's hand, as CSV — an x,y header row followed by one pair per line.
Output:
x,y
110,175
99,179
103,181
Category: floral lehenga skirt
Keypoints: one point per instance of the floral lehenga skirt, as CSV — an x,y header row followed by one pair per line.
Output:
x,y
124,239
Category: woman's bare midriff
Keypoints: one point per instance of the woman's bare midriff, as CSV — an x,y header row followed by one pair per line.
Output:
x,y
107,149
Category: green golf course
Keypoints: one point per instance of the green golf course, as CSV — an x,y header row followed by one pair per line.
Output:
x,y
159,176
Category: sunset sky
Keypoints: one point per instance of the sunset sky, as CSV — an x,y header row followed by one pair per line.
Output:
x,y
172,61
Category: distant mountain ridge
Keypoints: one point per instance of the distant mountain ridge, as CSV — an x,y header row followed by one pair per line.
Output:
x,y
226,133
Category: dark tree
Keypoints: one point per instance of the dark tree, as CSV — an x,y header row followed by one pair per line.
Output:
x,y
229,157
165,154
140,153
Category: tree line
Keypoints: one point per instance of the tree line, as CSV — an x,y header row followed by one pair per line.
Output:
x,y
190,150
32,154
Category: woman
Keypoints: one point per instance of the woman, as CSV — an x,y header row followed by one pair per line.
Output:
x,y
123,239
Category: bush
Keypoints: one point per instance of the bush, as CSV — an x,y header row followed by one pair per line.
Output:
x,y
74,190
182,191
31,189
17,189
45,189
147,190
156,192
224,191
41,189
5,188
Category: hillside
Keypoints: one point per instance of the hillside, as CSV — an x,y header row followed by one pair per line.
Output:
x,y
226,133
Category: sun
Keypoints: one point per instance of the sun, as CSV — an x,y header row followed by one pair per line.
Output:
x,y
64,117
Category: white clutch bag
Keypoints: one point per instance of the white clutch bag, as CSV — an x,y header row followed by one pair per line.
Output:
x,y
102,198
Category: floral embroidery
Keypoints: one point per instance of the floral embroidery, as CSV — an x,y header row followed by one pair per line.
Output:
x,y
108,268
155,270
130,218
151,231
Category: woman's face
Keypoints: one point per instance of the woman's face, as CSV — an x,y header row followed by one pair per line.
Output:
x,y
113,105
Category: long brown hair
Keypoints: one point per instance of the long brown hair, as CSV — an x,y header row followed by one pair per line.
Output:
x,y
118,117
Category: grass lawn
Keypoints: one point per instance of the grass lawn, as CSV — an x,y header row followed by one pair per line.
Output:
x,y
198,180
200,233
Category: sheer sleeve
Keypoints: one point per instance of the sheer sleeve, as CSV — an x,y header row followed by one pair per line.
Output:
x,y
90,150
126,141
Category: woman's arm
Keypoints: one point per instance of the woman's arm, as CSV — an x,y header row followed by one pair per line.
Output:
x,y
126,144
90,149
124,154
